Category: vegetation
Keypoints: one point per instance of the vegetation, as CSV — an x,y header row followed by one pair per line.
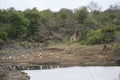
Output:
x,y
88,25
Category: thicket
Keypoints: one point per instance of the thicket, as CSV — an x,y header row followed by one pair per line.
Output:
x,y
89,24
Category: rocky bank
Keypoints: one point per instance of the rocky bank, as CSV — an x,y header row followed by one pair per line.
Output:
x,y
8,72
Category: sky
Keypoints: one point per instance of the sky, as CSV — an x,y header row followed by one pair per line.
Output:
x,y
54,5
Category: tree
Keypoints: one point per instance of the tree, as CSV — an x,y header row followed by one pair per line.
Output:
x,y
64,13
113,8
81,14
66,21
104,18
114,12
90,22
3,34
93,7
34,18
46,15
18,25
100,36
63,16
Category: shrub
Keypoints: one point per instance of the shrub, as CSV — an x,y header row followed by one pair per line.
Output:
x,y
103,35
3,35
93,37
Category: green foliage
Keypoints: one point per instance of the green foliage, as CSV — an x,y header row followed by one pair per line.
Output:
x,y
108,34
117,36
54,28
104,18
17,31
18,25
93,37
1,41
46,15
90,22
18,18
103,35
81,14
3,35
64,14
34,18
92,27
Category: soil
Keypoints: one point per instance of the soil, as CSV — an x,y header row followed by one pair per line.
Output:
x,y
66,54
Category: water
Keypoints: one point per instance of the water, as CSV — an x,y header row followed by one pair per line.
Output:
x,y
76,73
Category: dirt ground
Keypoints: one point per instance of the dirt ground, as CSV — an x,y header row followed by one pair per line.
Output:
x,y
69,54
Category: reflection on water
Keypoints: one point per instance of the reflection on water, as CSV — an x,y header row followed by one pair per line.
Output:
x,y
76,73
36,67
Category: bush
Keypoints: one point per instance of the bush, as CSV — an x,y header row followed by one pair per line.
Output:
x,y
93,37
103,35
3,35
1,41
117,36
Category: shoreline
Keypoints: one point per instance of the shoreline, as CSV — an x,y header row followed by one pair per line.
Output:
x,y
64,55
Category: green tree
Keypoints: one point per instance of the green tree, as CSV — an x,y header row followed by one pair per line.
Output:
x,y
18,25
81,14
34,18
3,34
46,15
100,35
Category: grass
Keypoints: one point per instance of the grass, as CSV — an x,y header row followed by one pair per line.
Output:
x,y
73,45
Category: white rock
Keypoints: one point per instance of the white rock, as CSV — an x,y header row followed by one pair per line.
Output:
x,y
3,57
51,53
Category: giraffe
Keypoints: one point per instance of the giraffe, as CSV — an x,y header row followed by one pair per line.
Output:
x,y
74,36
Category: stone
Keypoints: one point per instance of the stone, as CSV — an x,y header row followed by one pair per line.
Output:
x,y
10,73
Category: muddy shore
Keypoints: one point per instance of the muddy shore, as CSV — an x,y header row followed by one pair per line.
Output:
x,y
15,58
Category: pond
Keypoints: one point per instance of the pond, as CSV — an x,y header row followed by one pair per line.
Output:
x,y
76,73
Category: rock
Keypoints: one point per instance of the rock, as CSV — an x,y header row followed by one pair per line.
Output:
x,y
10,73
118,62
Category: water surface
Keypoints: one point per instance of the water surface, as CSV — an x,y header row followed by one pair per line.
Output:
x,y
76,73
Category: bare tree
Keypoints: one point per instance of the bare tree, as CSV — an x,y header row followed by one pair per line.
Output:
x,y
93,7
